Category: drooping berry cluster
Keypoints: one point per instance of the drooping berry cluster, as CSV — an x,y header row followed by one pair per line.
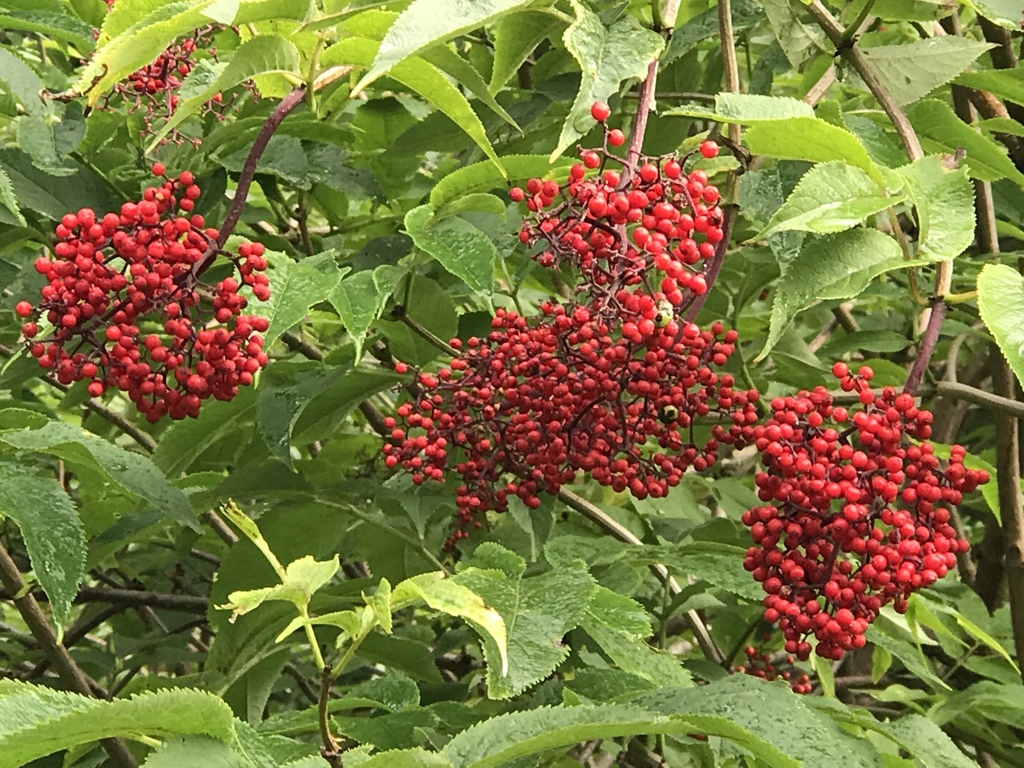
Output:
x,y
856,512
125,307
614,383
768,667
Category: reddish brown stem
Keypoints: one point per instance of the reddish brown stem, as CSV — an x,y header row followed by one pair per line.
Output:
x,y
928,341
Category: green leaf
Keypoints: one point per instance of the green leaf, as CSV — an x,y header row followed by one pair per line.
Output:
x,y
1005,83
944,201
358,304
23,83
836,266
466,75
798,41
538,611
185,441
37,721
484,177
620,625
195,750
7,198
928,743
500,740
422,77
380,603
607,56
515,37
284,392
403,758
911,10
831,197
461,248
302,578
58,25
426,22
758,707
455,599
704,26
1001,305
809,138
52,532
912,70
940,130
720,565
294,288
134,473
259,56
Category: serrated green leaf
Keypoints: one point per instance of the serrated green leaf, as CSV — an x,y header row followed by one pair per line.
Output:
x,y
380,603
515,37
7,198
940,130
461,248
912,10
52,532
261,55
185,441
944,202
54,24
455,599
37,721
928,743
620,625
809,138
912,70
484,177
1005,83
422,77
426,22
195,750
302,578
831,197
1001,305
22,82
358,304
538,611
704,26
607,56
504,738
836,266
133,472
294,288
404,758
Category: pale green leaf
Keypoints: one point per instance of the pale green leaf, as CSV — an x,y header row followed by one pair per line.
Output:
x,y
912,70
537,612
403,758
195,751
837,266
426,22
940,130
1005,13
912,10
380,604
55,24
799,41
515,37
812,139
7,198
302,578
37,721
831,197
944,202
461,248
358,303
453,598
222,11
1001,304
607,56
133,472
22,82
294,288
52,532
704,26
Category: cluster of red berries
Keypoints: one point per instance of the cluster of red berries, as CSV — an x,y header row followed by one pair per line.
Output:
x,y
613,384
768,667
123,300
856,513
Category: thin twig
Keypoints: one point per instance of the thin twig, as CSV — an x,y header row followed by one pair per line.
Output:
x,y
994,403
611,526
135,598
70,673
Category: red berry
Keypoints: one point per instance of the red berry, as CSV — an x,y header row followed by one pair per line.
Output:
x,y
23,309
616,137
600,111
709,149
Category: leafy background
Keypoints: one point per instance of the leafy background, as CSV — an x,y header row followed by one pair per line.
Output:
x,y
387,189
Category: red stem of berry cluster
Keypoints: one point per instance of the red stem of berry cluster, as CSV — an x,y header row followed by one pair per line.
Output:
x,y
259,145
928,341
643,110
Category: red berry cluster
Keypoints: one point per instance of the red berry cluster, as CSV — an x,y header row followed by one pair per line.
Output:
x,y
123,299
856,513
613,384
763,665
